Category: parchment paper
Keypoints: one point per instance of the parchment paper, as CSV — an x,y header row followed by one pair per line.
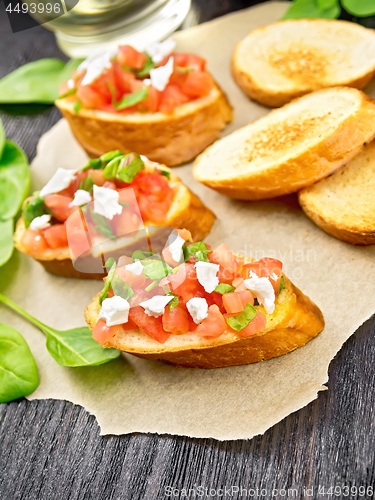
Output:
x,y
134,395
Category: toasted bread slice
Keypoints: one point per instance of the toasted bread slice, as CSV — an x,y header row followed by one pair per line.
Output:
x,y
281,61
186,211
295,321
164,138
343,205
292,147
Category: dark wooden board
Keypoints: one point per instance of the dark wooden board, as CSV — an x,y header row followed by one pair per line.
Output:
x,y
53,450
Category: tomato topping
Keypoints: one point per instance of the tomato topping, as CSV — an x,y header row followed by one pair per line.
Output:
x,y
258,324
154,195
197,84
134,280
56,236
185,235
224,256
90,97
233,303
59,206
172,97
213,325
97,176
185,283
148,324
265,268
128,56
34,241
103,333
176,321
74,185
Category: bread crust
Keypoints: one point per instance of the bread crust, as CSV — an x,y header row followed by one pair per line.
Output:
x,y
278,98
304,169
170,139
296,320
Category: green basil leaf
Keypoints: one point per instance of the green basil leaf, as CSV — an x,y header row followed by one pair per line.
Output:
x,y
180,69
148,66
74,347
202,256
87,184
14,180
132,99
111,155
241,320
155,269
2,138
121,288
77,106
110,170
359,8
198,250
18,371
174,302
224,288
310,9
6,240
166,174
68,93
100,223
282,284
35,207
107,284
94,163
126,173
152,285
140,255
36,82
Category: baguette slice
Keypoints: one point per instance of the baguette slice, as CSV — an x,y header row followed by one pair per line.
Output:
x,y
295,321
343,205
186,211
163,138
281,61
292,147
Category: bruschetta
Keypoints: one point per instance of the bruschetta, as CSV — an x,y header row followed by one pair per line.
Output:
x,y
111,196
160,103
196,307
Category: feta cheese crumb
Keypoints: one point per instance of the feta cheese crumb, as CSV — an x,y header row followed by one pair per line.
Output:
x,y
96,63
274,277
175,244
115,311
81,197
157,51
155,306
41,222
59,181
263,291
207,275
160,76
136,268
198,309
106,202
71,84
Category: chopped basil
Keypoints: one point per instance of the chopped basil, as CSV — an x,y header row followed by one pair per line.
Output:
x,y
100,223
174,302
121,288
77,106
241,320
166,174
282,284
68,93
140,255
180,69
224,288
94,163
132,99
152,285
111,155
87,184
197,250
34,207
110,170
129,167
155,269
148,66
104,293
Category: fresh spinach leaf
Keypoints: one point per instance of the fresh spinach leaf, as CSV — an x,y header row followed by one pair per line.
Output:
x,y
6,240
74,347
148,66
35,207
328,9
241,320
107,284
282,284
359,8
36,82
18,372
2,138
198,250
14,180
129,167
224,288
87,184
132,99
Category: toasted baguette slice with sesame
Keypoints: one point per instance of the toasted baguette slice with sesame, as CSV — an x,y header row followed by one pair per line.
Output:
x,y
281,61
170,139
292,147
186,211
295,321
343,205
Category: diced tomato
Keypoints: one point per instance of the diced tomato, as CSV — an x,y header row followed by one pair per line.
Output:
x,y
197,84
59,206
110,185
172,96
213,325
123,78
56,236
154,196
185,60
258,324
233,303
185,283
224,256
272,269
128,56
246,297
125,223
153,327
103,333
185,234
153,100
76,221
134,280
167,257
69,191
97,176
78,242
215,298
176,321
251,267
34,241
106,86
90,97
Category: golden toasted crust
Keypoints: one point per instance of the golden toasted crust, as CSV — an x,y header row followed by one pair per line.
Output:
x,y
296,320
291,149
317,53
187,211
170,139
343,205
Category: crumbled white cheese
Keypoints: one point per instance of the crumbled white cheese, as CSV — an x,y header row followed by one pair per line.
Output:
x,y
71,84
59,181
207,275
198,309
136,268
175,244
147,82
274,277
106,202
160,76
96,63
263,291
41,222
115,311
81,197
155,306
157,51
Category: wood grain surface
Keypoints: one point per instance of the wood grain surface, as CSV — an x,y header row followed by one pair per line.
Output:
x,y
53,450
